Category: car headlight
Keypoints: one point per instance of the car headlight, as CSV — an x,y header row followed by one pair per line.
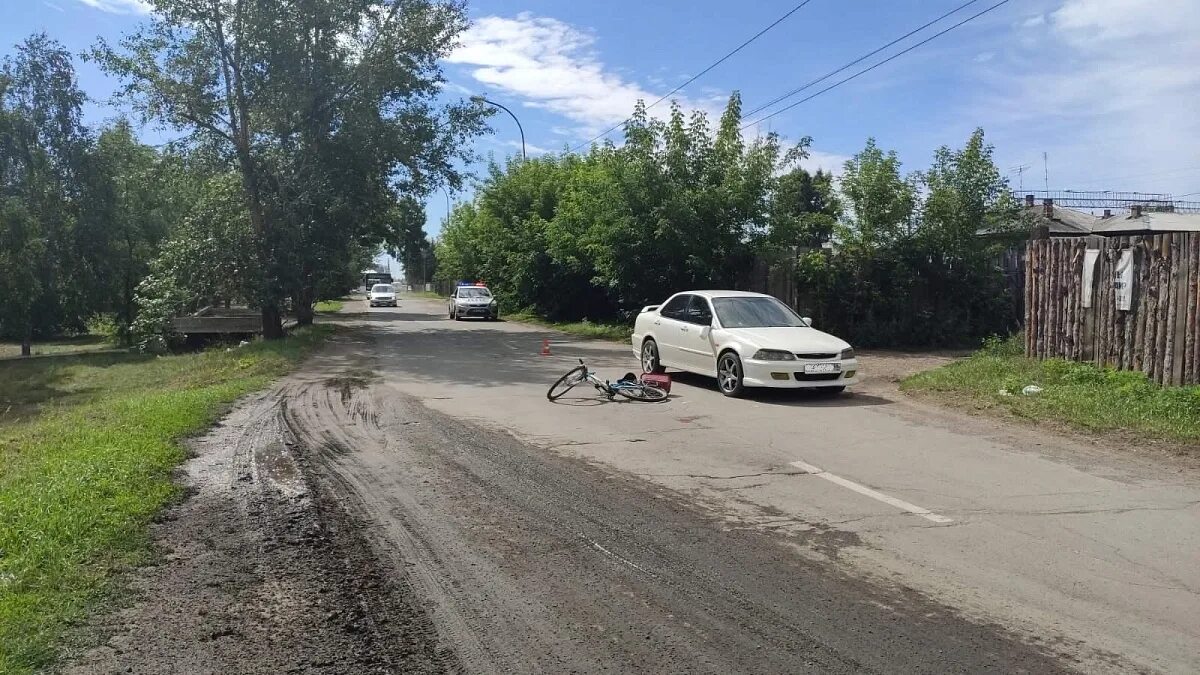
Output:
x,y
773,355
492,303
847,353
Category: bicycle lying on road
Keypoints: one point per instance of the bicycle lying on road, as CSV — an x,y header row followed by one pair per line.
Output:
x,y
628,386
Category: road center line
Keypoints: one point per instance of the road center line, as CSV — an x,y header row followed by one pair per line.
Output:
x,y
873,494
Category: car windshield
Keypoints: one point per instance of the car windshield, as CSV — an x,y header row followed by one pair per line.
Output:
x,y
755,312
474,293
381,288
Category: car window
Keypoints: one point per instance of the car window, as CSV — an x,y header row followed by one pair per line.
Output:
x,y
676,307
756,312
381,288
697,312
474,292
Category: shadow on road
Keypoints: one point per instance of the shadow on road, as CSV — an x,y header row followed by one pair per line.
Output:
x,y
808,398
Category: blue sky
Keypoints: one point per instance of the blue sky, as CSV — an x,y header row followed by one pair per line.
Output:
x,y
1109,89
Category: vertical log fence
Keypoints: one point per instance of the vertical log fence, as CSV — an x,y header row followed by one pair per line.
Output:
x,y
1159,333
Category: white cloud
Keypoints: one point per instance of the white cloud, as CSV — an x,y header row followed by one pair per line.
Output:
x,y
1110,84
120,6
1034,21
530,148
827,161
552,65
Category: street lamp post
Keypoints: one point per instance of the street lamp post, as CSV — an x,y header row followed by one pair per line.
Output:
x,y
480,99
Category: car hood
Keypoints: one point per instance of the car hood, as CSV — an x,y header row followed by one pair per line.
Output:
x,y
475,301
789,339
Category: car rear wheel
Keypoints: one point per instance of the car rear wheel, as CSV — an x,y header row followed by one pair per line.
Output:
x,y
650,362
730,375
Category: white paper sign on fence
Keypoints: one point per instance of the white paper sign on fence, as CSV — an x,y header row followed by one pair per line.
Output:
x,y
1089,270
1123,280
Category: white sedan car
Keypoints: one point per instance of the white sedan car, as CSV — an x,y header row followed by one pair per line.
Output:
x,y
742,339
382,295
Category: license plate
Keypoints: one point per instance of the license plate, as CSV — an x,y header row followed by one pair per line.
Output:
x,y
819,368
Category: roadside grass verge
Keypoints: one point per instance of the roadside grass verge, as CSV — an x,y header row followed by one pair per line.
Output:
x,y
1078,394
600,331
428,295
65,345
330,306
87,448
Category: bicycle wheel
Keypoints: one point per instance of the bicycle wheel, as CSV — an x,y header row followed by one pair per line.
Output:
x,y
643,392
567,382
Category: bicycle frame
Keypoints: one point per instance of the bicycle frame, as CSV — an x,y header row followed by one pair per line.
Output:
x,y
605,387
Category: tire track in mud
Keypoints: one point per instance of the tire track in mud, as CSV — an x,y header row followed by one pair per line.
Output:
x,y
534,562
261,571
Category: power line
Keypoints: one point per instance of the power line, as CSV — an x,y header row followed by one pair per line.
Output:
x,y
873,67
855,62
697,76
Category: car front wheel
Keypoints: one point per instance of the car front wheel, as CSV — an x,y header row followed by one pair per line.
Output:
x,y
730,375
650,362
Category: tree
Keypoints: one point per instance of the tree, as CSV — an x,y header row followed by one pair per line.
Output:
x,y
599,235
881,201
804,209
42,143
204,261
322,109
135,198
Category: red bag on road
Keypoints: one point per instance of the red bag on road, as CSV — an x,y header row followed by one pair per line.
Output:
x,y
662,381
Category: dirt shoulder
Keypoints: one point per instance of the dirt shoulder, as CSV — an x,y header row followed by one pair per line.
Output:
x,y
261,571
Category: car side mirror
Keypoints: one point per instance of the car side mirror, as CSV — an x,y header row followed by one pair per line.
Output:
x,y
807,321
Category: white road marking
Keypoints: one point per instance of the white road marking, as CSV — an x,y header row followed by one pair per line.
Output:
x,y
873,494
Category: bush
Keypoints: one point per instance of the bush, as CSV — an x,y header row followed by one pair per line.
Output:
x,y
105,326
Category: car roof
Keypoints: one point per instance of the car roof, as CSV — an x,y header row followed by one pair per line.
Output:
x,y
726,294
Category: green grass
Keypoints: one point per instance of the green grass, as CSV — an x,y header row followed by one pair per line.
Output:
x,y
601,331
66,345
330,306
1078,394
87,446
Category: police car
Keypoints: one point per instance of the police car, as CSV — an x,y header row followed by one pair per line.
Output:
x,y
473,300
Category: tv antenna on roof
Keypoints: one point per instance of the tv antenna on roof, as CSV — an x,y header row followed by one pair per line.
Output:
x,y
1020,171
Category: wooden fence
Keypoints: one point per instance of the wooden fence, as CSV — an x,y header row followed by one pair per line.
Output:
x,y
1157,334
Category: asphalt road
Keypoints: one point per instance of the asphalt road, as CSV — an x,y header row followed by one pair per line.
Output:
x,y
780,533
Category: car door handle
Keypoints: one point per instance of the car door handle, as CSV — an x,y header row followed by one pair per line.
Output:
x,y
657,322
684,329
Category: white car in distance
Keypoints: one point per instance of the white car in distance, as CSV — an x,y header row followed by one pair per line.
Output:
x,y
743,340
382,295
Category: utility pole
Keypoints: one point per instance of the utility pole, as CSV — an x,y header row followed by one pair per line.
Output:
x,y
1046,167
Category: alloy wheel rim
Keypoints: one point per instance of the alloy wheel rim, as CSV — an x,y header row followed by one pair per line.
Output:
x,y
648,357
727,375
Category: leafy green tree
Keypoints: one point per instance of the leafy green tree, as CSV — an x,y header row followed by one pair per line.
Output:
x,y
204,261
42,143
601,234
135,197
324,111
804,210
880,201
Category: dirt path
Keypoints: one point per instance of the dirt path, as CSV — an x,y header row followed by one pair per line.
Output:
x,y
262,571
